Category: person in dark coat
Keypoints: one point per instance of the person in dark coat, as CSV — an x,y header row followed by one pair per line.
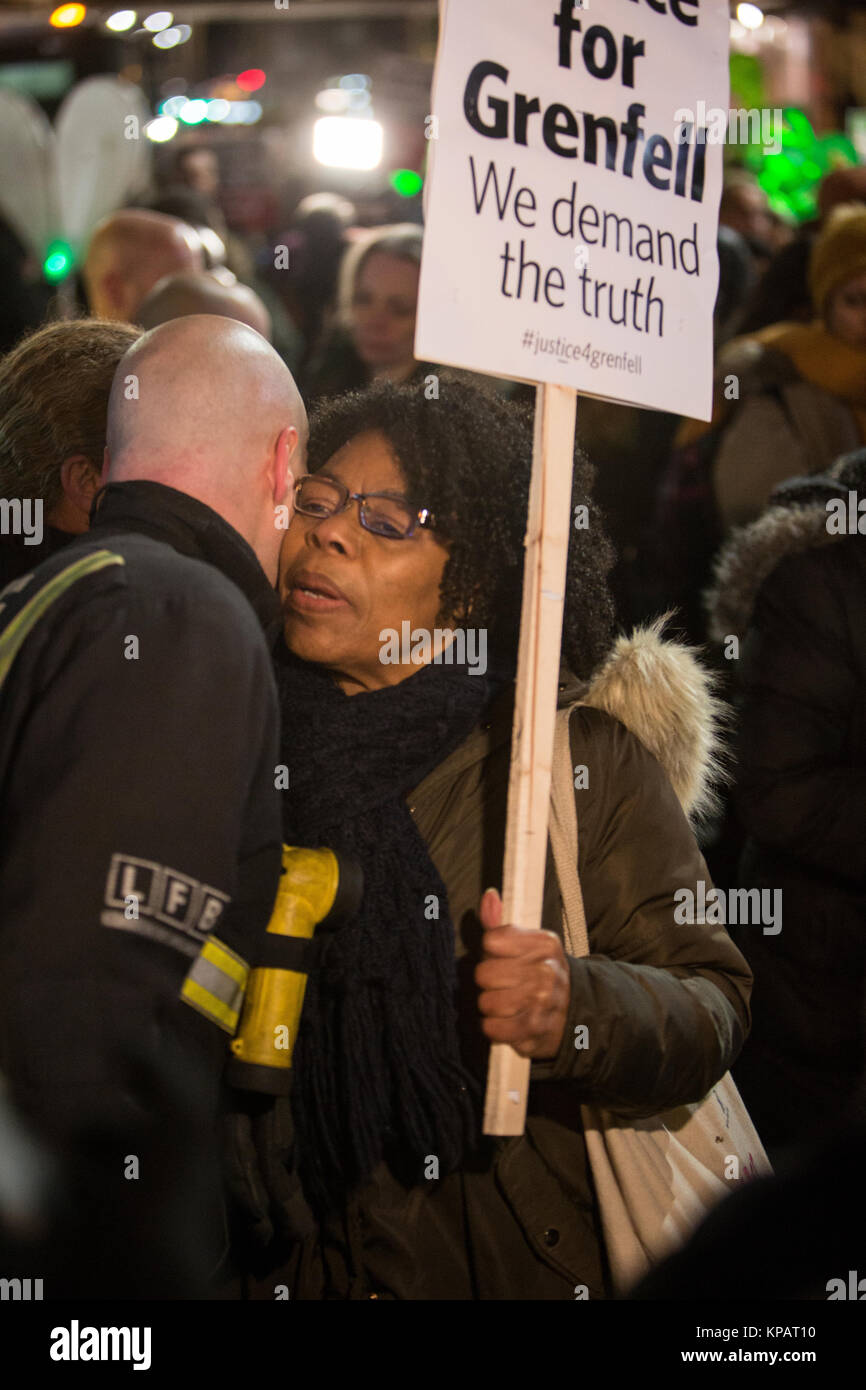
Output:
x,y
139,823
315,241
791,589
788,402
405,765
54,388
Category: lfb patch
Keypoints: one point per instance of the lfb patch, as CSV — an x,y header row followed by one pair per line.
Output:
x,y
152,900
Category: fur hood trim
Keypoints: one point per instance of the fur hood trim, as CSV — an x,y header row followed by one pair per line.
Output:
x,y
795,521
751,554
664,696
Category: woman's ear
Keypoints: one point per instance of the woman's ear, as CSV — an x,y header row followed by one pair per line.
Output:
x,y
464,617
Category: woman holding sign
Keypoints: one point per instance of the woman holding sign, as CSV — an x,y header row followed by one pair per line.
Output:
x,y
401,584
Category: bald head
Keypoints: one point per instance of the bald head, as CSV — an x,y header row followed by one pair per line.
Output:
x,y
201,293
203,404
129,252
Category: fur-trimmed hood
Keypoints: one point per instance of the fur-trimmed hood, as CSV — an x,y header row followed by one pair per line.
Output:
x,y
658,689
795,521
663,695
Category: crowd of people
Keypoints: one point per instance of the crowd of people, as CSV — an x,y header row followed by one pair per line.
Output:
x,y
192,675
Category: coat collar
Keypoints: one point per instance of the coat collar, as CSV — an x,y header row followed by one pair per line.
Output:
x,y
493,732
191,528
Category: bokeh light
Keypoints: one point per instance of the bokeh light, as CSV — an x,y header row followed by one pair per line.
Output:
x,y
193,112
120,21
347,142
332,100
58,261
67,16
160,129
750,16
167,38
160,19
406,182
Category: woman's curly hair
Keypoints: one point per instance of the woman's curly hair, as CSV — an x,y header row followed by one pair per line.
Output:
x,y
467,456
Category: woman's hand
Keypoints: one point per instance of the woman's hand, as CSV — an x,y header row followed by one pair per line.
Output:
x,y
525,984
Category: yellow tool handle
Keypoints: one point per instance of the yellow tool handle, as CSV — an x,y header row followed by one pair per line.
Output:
x,y
272,1013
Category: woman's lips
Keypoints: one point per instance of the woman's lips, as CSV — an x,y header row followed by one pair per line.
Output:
x,y
313,593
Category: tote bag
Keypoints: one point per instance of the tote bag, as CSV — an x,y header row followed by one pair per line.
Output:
x,y
655,1179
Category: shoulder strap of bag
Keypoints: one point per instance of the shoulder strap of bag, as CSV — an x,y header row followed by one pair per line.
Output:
x,y
563,838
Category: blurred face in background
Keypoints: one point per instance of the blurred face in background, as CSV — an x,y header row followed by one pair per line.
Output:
x,y
200,170
846,312
745,208
383,315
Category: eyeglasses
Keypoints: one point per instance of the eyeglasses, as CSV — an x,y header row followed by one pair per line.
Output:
x,y
380,512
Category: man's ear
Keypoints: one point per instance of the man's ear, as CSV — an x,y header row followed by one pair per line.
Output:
x,y
79,479
106,465
281,478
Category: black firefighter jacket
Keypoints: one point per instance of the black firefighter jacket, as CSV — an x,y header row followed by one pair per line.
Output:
x,y
666,1002
138,815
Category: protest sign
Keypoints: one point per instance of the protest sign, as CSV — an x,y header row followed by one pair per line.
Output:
x,y
573,195
571,223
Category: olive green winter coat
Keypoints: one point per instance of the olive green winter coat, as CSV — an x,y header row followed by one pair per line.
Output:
x,y
666,1005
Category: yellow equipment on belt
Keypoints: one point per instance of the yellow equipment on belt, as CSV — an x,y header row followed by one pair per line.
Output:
x,y
316,887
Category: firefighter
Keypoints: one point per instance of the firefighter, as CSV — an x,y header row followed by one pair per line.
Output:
x,y
139,815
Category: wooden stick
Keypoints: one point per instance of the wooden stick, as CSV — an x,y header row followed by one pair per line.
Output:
x,y
548,528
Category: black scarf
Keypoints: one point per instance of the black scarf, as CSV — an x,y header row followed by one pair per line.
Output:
x,y
377,1067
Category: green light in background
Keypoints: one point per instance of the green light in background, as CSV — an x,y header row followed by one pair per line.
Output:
x,y
406,182
791,177
58,261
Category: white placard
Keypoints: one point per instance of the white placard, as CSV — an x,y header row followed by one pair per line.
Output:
x,y
572,201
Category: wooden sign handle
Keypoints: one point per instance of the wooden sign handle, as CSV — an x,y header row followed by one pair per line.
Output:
x,y
547,532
